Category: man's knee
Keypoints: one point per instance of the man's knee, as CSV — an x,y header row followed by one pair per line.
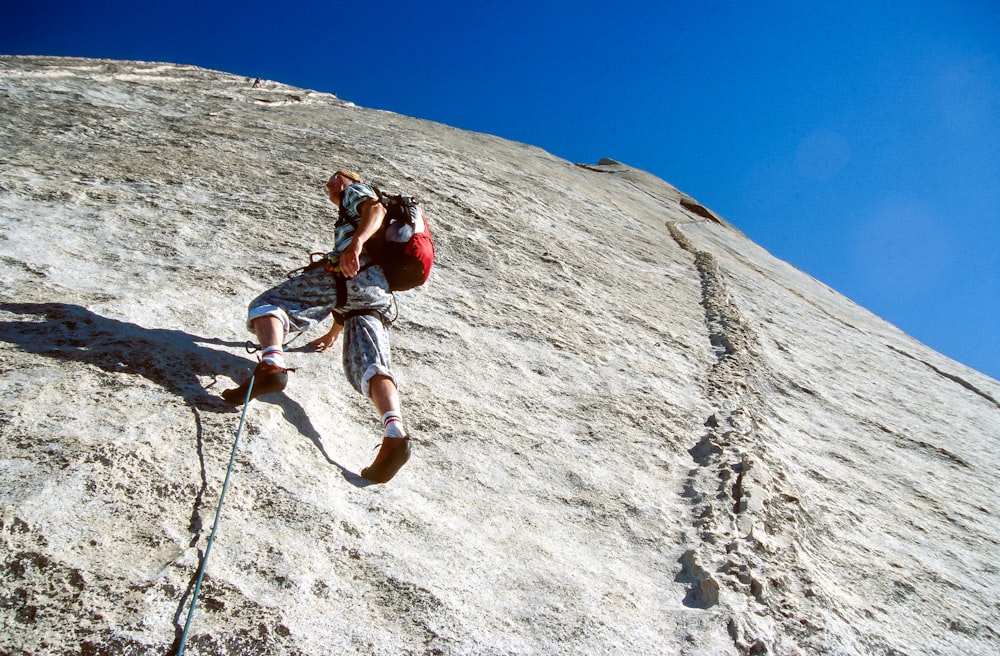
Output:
x,y
377,385
266,311
382,379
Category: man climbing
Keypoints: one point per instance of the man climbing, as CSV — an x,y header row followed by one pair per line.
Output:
x,y
354,289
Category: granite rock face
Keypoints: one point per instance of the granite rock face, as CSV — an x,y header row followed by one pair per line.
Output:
x,y
636,431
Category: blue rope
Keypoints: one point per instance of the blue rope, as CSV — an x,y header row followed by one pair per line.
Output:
x,y
218,512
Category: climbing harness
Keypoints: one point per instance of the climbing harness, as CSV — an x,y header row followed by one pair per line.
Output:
x,y
316,259
218,513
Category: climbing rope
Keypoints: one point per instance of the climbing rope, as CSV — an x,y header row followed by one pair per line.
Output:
x,y
218,513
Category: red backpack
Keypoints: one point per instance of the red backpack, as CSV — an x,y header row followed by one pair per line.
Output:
x,y
403,246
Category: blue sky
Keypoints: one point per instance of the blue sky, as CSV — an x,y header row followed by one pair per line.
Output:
x,y
859,140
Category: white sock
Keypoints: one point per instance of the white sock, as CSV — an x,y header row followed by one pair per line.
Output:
x,y
392,422
273,355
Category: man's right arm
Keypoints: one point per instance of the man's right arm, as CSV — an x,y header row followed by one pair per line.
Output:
x,y
372,213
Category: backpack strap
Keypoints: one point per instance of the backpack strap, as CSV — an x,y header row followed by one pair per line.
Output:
x,y
344,217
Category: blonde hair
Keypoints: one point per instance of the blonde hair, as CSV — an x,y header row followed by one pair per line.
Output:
x,y
350,175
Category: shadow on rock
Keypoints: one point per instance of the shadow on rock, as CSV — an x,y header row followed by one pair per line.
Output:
x,y
296,415
172,359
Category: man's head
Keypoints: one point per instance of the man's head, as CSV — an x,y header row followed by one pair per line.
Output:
x,y
340,181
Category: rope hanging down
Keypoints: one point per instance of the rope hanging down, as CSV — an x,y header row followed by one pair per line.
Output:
x,y
215,525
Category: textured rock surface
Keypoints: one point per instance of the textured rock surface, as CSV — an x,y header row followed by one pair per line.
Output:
x,y
639,433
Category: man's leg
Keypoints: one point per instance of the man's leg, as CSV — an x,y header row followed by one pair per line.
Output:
x,y
395,450
385,397
269,330
271,375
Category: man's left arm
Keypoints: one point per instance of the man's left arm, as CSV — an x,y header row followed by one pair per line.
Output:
x,y
321,344
372,213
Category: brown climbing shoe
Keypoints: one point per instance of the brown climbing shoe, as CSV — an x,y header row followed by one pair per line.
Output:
x,y
267,378
394,453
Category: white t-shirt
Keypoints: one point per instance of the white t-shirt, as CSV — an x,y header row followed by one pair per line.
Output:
x,y
352,199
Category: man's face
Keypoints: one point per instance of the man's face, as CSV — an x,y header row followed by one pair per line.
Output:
x,y
335,187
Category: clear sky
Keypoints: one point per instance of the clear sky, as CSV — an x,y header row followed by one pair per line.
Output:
x,y
856,139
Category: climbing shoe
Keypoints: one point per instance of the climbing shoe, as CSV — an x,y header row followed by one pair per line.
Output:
x,y
267,378
394,453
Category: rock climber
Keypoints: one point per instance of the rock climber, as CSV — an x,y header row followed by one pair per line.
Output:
x,y
354,289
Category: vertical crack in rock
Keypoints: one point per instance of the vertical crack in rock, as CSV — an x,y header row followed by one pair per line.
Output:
x,y
731,491
196,524
703,589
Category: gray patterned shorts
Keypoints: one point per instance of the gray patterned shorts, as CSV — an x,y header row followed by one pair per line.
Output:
x,y
306,299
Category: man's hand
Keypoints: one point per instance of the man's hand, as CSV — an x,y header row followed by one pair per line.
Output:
x,y
326,341
350,260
